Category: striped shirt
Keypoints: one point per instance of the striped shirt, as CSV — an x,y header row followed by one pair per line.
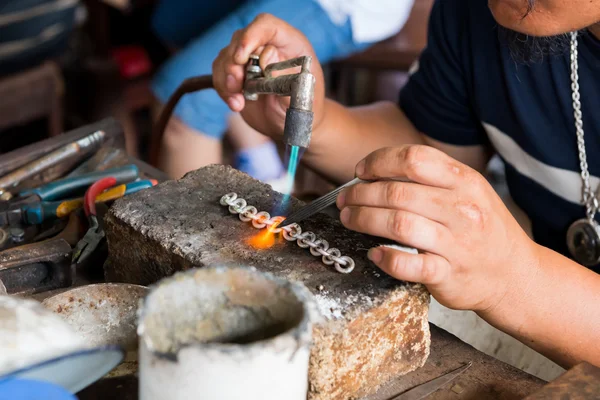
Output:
x,y
467,90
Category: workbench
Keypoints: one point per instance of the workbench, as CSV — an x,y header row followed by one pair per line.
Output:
x,y
487,378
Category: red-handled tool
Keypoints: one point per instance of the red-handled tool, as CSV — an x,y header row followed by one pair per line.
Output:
x,y
86,246
89,201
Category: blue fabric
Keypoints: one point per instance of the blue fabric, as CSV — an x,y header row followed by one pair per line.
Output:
x,y
204,110
466,77
260,162
177,22
24,389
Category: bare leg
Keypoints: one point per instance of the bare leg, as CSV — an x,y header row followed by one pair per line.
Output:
x,y
242,136
185,149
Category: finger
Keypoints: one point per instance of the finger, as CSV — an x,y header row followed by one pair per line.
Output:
x,y
430,202
265,29
234,73
236,102
234,77
228,79
401,226
428,269
417,163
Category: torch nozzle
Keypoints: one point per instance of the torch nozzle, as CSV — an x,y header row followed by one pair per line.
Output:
x,y
300,87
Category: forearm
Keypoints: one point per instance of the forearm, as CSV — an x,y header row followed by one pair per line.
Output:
x,y
347,135
555,310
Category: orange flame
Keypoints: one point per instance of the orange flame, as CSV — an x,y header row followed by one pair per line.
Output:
x,y
266,238
263,240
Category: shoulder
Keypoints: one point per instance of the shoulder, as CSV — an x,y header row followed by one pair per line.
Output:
x,y
464,31
464,9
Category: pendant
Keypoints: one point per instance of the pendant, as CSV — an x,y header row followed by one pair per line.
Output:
x,y
583,240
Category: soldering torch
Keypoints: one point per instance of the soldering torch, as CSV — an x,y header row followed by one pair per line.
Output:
x,y
300,87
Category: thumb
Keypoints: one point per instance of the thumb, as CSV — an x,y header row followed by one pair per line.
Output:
x,y
264,30
268,30
268,56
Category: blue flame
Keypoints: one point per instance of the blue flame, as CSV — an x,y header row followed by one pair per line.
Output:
x,y
293,161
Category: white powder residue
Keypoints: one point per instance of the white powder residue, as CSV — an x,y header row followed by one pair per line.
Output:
x,y
335,308
328,307
355,299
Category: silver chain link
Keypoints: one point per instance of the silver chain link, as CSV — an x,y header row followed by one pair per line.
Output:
x,y
293,232
589,197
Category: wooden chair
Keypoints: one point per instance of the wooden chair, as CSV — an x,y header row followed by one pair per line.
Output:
x,y
32,94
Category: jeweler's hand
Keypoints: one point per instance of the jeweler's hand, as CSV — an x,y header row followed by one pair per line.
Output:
x,y
471,248
275,41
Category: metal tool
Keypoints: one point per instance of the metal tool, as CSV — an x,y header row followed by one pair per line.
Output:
x,y
102,160
17,235
300,87
62,188
33,202
81,146
71,231
318,205
95,234
39,212
325,201
424,390
36,213
26,154
37,267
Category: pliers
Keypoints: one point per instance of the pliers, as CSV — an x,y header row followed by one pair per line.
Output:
x,y
86,246
63,188
14,212
37,213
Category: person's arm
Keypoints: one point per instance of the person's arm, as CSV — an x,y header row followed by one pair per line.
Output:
x,y
554,309
347,135
435,101
473,255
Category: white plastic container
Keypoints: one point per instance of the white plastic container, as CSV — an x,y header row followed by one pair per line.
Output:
x,y
225,334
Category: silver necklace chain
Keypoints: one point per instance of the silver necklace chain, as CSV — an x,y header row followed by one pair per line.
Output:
x,y
589,197
292,233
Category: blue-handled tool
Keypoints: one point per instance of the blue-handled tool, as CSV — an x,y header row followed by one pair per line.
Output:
x,y
39,212
64,187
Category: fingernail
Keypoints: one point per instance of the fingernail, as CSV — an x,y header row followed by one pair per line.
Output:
x,y
375,255
234,103
341,200
360,168
230,83
345,215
